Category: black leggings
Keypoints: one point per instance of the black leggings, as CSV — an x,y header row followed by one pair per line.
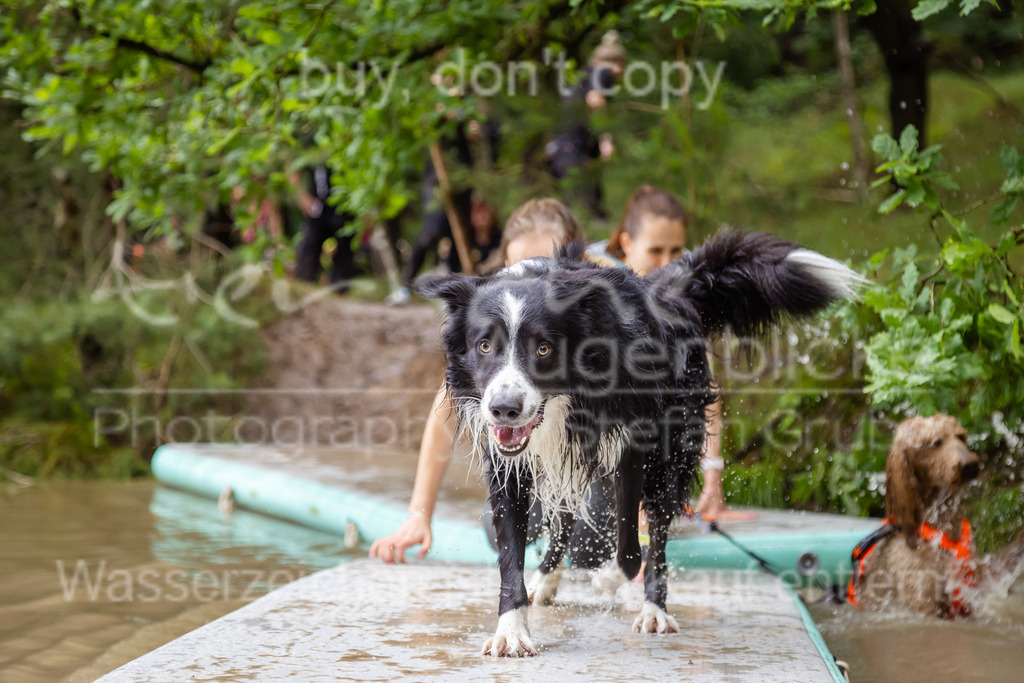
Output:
x,y
435,228
307,253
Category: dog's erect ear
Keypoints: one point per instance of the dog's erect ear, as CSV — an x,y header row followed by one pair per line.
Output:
x,y
454,290
572,252
903,500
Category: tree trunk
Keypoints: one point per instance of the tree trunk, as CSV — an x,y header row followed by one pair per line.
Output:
x,y
856,124
905,53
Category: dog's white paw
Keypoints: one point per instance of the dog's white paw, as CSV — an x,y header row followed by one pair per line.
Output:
x,y
653,619
543,587
608,578
512,639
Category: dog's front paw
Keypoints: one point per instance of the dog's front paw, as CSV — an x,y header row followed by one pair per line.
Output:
x,y
512,639
654,619
543,587
608,578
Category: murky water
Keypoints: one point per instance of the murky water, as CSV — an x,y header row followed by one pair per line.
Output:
x,y
910,648
94,574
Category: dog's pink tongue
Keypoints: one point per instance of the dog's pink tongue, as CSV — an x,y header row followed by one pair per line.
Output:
x,y
511,436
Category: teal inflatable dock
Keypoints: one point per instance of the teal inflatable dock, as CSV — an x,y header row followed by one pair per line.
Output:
x,y
360,492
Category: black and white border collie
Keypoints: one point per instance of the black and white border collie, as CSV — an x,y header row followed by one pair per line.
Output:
x,y
563,372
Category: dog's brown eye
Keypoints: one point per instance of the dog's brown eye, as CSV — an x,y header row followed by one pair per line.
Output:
x,y
936,443
484,346
543,349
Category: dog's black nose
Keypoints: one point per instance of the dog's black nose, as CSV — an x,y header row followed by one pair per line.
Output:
x,y
969,470
506,408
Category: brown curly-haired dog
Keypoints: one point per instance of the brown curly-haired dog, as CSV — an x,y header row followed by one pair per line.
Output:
x,y
924,558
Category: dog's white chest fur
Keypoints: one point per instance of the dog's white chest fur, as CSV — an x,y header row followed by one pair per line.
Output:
x,y
555,459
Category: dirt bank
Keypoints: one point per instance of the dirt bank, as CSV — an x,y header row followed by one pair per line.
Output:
x,y
351,373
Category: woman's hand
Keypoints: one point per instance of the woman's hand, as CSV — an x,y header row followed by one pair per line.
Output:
x,y
711,504
414,531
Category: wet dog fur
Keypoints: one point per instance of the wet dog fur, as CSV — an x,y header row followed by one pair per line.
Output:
x,y
926,467
563,372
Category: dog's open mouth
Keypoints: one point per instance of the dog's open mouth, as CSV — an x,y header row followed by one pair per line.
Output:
x,y
513,440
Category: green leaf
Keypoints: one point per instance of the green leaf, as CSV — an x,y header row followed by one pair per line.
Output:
x,y
885,147
270,36
908,139
927,8
908,282
915,194
877,259
957,223
1010,295
878,299
1001,315
892,202
241,66
958,254
1011,159
1007,243
944,180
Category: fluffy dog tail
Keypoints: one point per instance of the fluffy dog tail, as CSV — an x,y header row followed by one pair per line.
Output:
x,y
749,281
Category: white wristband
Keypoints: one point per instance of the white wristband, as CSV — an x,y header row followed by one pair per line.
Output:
x,y
418,513
712,464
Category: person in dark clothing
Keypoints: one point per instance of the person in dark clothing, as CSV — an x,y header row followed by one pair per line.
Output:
x,y
219,225
321,222
573,154
436,226
485,240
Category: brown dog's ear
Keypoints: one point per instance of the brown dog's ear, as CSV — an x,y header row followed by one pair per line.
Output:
x,y
903,487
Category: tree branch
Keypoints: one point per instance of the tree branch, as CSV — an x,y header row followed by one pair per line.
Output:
x,y
144,48
139,46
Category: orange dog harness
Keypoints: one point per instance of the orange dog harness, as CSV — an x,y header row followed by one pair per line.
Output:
x,y
860,554
963,564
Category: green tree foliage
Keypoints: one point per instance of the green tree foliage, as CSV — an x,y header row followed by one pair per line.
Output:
x,y
949,326
62,365
941,332
185,101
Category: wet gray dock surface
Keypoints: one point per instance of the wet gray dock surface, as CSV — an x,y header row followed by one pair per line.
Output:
x,y
365,621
